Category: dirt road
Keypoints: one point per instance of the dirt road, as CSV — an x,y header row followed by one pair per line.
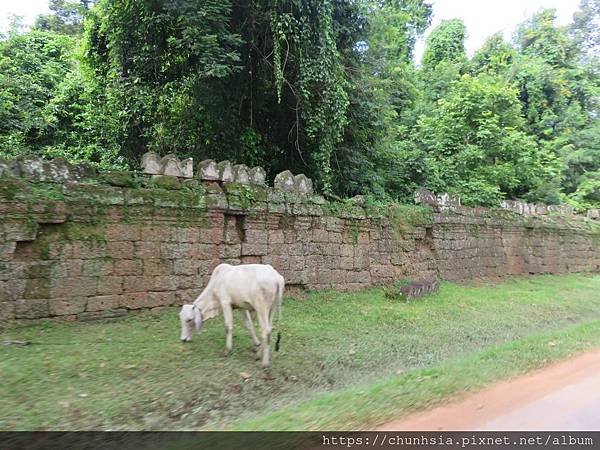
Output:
x,y
564,396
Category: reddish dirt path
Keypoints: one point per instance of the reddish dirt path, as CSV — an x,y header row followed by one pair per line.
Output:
x,y
564,396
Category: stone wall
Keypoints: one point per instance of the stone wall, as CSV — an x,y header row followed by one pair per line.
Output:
x,y
89,246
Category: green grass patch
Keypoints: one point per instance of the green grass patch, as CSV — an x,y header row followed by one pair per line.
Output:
x,y
336,348
365,406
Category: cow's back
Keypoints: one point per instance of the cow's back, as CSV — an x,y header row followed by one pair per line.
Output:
x,y
247,281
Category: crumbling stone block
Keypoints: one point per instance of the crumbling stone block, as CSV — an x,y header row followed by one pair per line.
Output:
x,y
6,169
240,174
225,171
151,163
187,168
284,181
166,182
564,210
83,171
118,178
426,197
446,200
303,184
31,309
208,170
58,170
169,165
64,307
257,175
7,312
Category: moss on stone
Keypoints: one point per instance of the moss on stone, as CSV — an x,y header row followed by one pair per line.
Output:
x,y
46,191
139,197
83,232
193,185
213,189
473,230
405,218
119,178
10,188
97,194
244,196
166,182
45,269
346,209
355,233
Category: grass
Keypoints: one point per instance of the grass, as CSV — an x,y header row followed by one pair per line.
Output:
x,y
348,361
358,407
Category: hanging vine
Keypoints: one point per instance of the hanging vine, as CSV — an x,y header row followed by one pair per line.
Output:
x,y
306,29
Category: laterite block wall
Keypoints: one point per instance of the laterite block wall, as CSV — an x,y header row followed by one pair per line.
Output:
x,y
85,249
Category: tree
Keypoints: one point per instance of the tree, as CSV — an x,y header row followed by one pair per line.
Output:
x,y
158,62
446,43
49,106
382,87
444,60
66,18
476,146
263,81
559,92
585,29
496,56
32,65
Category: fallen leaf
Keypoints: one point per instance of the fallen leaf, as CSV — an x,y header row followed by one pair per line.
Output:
x,y
245,375
552,344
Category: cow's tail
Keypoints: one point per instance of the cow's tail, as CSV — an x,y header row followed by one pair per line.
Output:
x,y
280,288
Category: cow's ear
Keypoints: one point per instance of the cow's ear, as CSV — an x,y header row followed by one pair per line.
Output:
x,y
197,319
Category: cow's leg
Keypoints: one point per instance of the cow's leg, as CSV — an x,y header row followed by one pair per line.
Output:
x,y
250,327
265,330
228,316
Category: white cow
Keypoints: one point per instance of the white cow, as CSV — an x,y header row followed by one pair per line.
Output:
x,y
256,288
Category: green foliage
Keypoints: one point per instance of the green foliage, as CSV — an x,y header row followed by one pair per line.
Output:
x,y
405,218
393,292
323,87
66,18
32,67
446,43
373,158
49,107
475,145
152,60
585,31
495,56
